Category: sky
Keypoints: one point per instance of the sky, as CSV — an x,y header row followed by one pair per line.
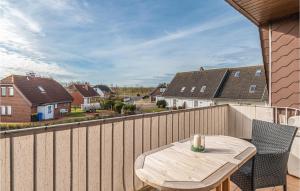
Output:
x,y
123,42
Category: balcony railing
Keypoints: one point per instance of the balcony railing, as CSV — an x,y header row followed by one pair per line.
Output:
x,y
100,154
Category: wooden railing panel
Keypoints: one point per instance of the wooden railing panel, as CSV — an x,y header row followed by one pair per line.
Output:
x,y
169,128
107,160
138,147
23,162
128,155
175,123
186,125
62,160
5,164
93,154
181,128
118,155
44,161
79,157
201,121
154,132
197,121
162,130
192,123
147,134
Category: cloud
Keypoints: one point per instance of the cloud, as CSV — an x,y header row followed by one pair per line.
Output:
x,y
18,52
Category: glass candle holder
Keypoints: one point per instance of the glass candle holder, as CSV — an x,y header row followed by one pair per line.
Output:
x,y
198,143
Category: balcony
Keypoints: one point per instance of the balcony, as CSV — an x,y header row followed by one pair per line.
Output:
x,y
100,154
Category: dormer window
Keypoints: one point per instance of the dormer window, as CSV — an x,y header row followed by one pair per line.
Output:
x,y
237,74
41,89
202,89
258,72
182,89
193,89
252,89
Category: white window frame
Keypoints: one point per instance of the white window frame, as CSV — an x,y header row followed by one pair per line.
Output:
x,y
182,89
41,89
3,110
251,90
11,91
237,74
258,72
196,104
8,110
193,89
3,91
202,90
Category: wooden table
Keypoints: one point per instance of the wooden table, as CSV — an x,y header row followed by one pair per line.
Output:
x,y
176,167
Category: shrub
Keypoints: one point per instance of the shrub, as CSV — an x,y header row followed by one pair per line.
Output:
x,y
108,104
128,109
118,106
34,117
161,103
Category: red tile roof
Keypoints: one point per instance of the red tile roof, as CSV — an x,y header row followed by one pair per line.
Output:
x,y
31,88
84,89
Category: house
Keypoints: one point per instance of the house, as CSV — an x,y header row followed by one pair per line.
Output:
x,y
278,24
103,91
22,96
194,89
82,94
244,85
157,93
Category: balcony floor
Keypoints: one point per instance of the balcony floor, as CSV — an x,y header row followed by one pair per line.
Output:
x,y
293,185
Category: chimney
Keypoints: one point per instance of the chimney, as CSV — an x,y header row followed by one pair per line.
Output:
x,y
86,86
201,69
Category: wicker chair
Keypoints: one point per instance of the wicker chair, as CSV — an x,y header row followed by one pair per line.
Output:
x,y
268,168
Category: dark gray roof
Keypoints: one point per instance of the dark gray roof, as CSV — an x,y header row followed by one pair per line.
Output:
x,y
209,78
220,84
238,87
103,88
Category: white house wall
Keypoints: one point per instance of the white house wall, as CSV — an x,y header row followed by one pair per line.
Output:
x,y
189,103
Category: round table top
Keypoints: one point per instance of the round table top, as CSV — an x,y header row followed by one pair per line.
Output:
x,y
176,167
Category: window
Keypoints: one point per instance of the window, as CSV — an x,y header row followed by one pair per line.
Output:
x,y
49,109
41,89
252,88
8,110
3,110
182,89
237,74
193,89
3,91
195,103
258,72
162,90
55,106
203,89
174,102
11,91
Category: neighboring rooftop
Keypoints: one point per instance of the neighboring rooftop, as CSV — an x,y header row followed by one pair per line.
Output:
x,y
103,88
250,83
159,90
39,90
197,84
247,83
84,89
